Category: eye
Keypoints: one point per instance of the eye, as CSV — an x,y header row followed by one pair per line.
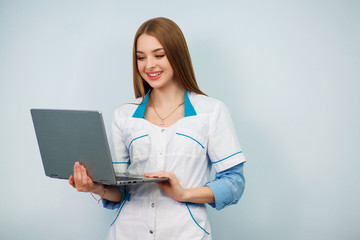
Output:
x,y
140,58
159,55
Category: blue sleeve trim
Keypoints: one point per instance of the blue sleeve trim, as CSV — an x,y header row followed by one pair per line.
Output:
x,y
114,205
136,139
191,138
227,187
227,157
120,162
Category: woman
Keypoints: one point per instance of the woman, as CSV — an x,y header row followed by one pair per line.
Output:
x,y
172,131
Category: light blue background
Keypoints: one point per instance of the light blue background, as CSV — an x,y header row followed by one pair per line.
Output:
x,y
288,71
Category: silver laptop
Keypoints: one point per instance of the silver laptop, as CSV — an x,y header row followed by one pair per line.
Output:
x,y
67,136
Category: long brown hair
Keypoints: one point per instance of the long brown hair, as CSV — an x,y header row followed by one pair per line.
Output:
x,y
173,41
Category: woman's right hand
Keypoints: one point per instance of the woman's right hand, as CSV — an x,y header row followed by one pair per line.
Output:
x,y
82,182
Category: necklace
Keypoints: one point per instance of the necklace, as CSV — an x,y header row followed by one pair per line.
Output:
x,y
163,119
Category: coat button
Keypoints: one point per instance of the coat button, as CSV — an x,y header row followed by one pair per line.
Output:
x,y
152,205
163,130
151,232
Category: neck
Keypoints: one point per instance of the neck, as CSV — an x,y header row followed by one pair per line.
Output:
x,y
168,97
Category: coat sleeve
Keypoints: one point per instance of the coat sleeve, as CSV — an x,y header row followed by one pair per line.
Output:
x,y
228,186
224,150
227,158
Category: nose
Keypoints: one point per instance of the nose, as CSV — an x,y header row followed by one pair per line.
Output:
x,y
150,63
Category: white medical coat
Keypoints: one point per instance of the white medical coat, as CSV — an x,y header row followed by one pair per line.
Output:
x,y
204,137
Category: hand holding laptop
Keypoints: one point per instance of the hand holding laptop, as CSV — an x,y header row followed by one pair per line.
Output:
x,y
83,183
172,187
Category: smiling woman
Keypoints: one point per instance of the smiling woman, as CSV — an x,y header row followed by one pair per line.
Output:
x,y
152,63
170,38
172,131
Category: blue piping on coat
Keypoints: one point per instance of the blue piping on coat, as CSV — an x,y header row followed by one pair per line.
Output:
x,y
227,157
122,205
137,138
126,199
190,138
195,220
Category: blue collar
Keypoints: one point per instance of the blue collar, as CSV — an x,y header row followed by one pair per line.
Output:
x,y
188,107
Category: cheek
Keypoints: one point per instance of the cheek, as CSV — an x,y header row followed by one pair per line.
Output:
x,y
170,71
166,65
140,69
140,66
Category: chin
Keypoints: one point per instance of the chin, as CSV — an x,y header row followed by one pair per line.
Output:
x,y
156,84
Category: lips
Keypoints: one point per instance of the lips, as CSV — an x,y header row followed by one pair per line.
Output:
x,y
154,75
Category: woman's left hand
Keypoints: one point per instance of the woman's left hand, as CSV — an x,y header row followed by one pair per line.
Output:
x,y
171,187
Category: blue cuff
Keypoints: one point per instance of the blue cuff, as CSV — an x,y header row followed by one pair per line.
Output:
x,y
227,187
114,205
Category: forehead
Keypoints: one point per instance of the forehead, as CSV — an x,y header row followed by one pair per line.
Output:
x,y
147,43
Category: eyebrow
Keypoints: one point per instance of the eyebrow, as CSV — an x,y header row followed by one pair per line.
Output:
x,y
155,50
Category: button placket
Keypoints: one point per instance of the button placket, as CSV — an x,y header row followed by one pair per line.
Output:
x,y
162,142
153,213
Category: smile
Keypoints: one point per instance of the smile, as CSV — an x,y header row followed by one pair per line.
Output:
x,y
154,75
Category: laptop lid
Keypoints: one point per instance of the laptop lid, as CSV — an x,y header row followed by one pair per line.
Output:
x,y
67,136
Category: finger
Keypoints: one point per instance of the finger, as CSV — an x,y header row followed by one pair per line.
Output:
x,y
77,172
172,179
163,174
151,174
74,168
148,175
89,181
155,174
71,181
84,175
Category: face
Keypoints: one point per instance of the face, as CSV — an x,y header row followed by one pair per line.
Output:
x,y
153,65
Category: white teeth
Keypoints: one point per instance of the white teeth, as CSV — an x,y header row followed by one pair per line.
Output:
x,y
154,74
